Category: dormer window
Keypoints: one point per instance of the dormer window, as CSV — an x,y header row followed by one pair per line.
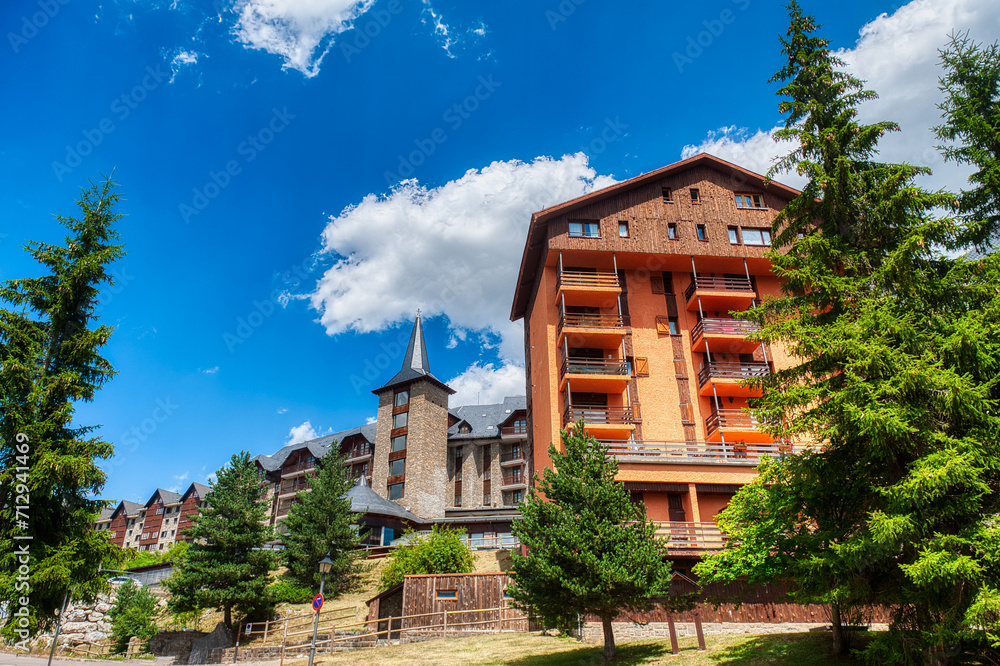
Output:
x,y
464,429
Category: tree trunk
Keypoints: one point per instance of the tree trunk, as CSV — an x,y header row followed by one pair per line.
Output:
x,y
838,630
609,638
228,619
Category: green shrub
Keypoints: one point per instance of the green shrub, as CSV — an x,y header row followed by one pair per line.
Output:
x,y
132,615
289,592
440,552
145,559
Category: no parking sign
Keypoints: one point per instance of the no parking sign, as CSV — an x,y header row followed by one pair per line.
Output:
x,y
317,602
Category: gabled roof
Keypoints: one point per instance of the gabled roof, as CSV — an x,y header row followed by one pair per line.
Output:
x,y
168,497
535,242
130,509
482,417
415,363
365,500
316,447
200,488
105,515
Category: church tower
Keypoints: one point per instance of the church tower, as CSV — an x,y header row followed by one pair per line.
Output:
x,y
411,436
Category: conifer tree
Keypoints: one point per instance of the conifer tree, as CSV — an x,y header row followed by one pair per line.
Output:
x,y
590,550
132,616
49,360
896,381
227,566
320,523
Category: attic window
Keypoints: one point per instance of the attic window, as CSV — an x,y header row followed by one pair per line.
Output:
x,y
447,594
489,427
464,429
695,195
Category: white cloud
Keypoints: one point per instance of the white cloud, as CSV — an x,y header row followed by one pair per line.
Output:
x,y
301,433
180,60
211,371
897,55
370,420
182,477
300,31
282,410
451,250
486,384
174,489
446,35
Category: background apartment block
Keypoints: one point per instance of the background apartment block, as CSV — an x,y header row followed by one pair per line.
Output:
x,y
157,524
626,295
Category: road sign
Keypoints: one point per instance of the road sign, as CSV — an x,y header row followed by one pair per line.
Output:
x,y
317,602
249,627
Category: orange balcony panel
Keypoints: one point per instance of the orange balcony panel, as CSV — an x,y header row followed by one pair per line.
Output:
x,y
719,294
587,288
723,336
736,425
726,388
594,383
726,378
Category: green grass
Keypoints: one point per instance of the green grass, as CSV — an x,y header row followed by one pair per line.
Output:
x,y
801,649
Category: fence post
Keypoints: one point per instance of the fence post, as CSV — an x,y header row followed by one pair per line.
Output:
x,y
698,630
266,624
388,631
445,622
284,638
673,635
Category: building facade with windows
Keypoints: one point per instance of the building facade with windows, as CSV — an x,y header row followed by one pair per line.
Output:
x,y
464,465
627,296
155,525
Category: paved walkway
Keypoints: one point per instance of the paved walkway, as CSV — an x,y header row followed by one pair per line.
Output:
x,y
10,659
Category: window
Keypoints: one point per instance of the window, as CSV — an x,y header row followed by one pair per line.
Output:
x,y
464,429
734,236
402,398
399,420
458,475
399,443
702,233
487,474
622,229
160,547
695,195
756,236
672,231
458,455
668,195
487,500
517,495
154,535
159,510
585,229
447,594
458,498
749,201
397,467
672,326
396,491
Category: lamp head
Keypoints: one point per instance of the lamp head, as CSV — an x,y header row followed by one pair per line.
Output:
x,y
326,565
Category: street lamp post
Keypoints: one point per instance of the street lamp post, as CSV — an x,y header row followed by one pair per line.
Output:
x,y
325,566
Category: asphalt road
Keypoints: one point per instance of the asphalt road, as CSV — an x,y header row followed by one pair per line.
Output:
x,y
10,659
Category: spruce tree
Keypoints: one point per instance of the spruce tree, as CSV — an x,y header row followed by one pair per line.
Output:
x,y
132,616
320,523
227,566
590,550
50,359
895,381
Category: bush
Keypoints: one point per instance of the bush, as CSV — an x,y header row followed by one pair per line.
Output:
x,y
440,552
145,559
289,592
132,615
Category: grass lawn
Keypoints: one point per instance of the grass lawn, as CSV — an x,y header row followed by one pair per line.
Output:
x,y
802,649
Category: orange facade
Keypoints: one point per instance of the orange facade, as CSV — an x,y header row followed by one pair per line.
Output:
x,y
627,297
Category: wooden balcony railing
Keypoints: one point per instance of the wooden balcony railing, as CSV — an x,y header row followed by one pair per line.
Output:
x,y
575,320
512,456
713,326
360,451
734,371
292,486
299,467
514,431
731,419
735,285
600,415
599,279
691,536
593,366
725,453
514,478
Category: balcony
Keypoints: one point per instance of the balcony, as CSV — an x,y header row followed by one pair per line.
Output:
x,y
726,378
736,425
514,481
727,336
610,422
592,330
699,453
291,487
691,537
594,374
719,294
514,432
359,453
515,457
298,468
593,288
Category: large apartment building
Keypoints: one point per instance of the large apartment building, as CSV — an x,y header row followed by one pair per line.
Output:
x,y
427,462
626,295
155,525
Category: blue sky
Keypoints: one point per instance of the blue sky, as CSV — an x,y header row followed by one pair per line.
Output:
x,y
274,257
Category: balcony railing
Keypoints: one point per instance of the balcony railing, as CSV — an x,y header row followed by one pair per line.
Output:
x,y
691,536
732,371
601,280
577,320
600,415
299,467
513,480
289,486
594,366
361,451
735,285
731,419
720,453
512,456
712,326
514,431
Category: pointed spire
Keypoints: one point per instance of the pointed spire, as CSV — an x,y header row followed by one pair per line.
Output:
x,y
415,362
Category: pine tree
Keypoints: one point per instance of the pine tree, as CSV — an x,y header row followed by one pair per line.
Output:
x,y
227,566
132,616
896,381
320,523
590,550
50,360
